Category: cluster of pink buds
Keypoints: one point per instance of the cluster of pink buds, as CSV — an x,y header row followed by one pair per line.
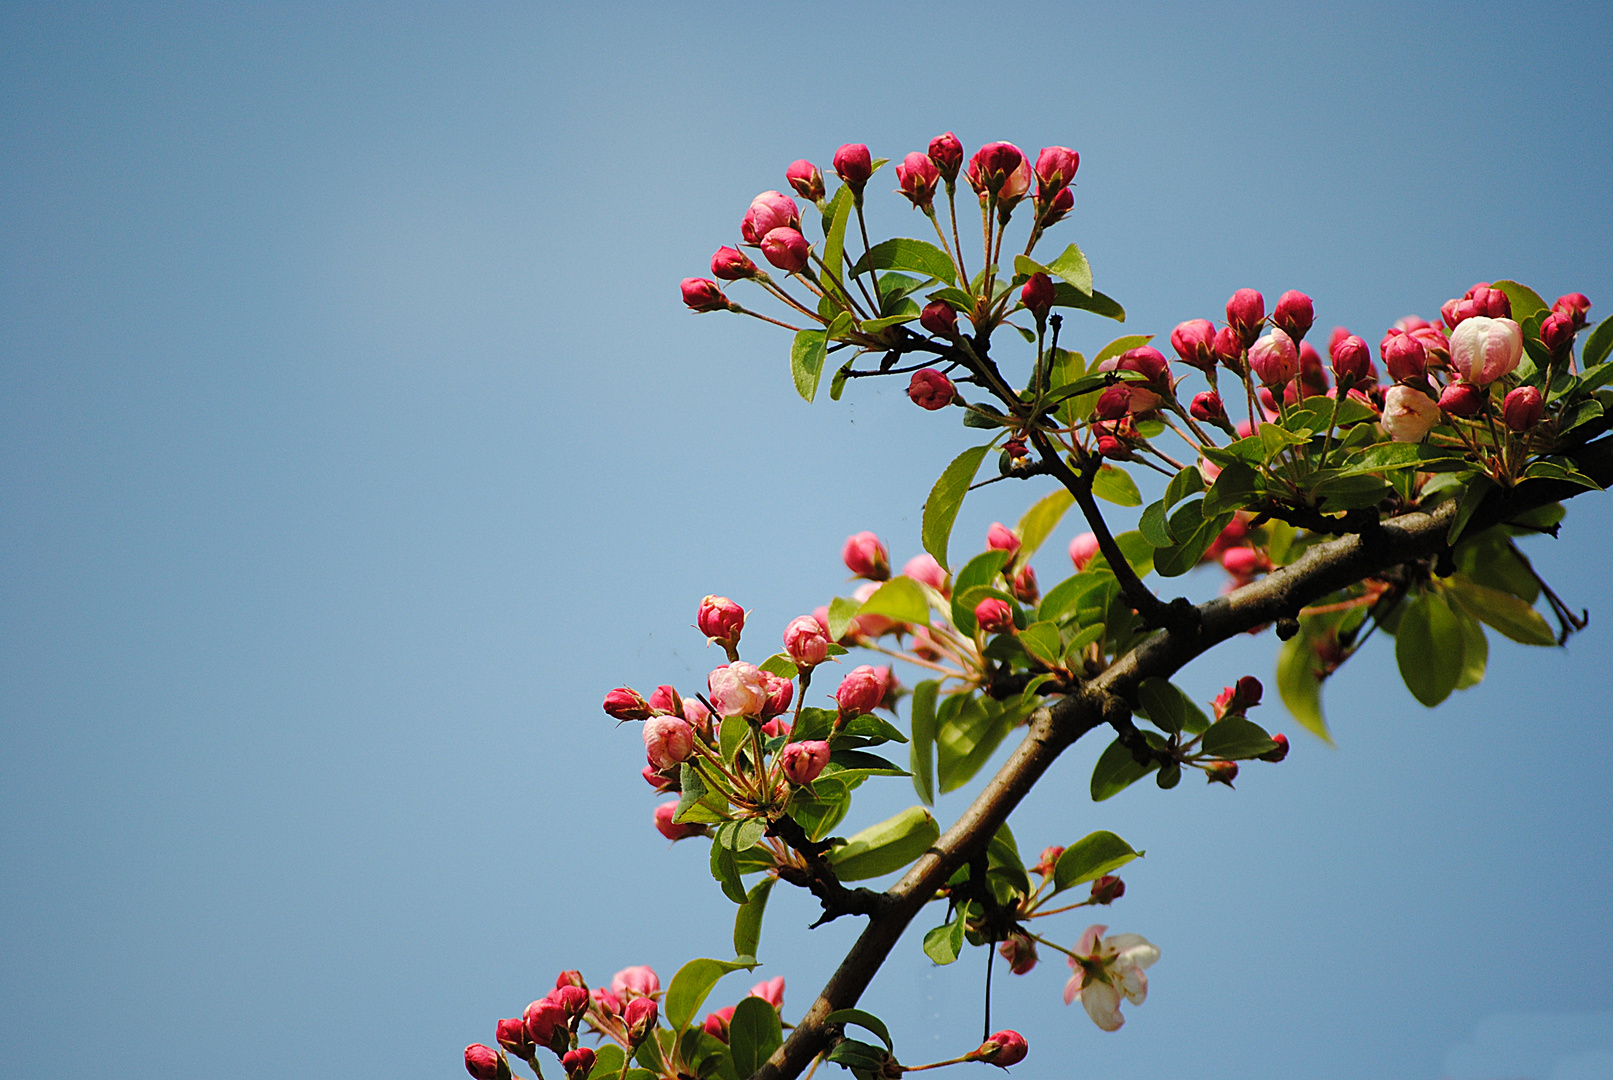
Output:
x,y
626,1014
717,1021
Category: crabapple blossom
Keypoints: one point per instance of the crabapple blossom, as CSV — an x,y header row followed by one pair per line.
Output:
x,y
673,830
1106,970
1023,585
1113,403
918,177
624,703
1037,295
545,1018
854,165
511,1035
1107,889
1246,311
717,1022
806,642
1003,1049
738,689
640,1017
803,762
939,319
698,715
1001,538
860,691
805,178
870,625
1408,414
1274,359
1020,952
665,699
1462,399
1207,406
1056,166
1352,360
994,615
768,211
731,264
1557,331
1221,772
786,249
770,991
1000,169
947,153
1484,349
1280,752
1194,342
1575,306
1294,313
930,389
662,782
637,981
1048,859
1521,409
780,691
865,555
578,1063
703,294
485,1063
720,619
1404,356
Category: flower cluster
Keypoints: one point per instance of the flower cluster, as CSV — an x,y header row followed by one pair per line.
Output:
x,y
625,1015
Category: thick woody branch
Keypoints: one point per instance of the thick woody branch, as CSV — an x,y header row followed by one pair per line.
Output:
x,y
1323,569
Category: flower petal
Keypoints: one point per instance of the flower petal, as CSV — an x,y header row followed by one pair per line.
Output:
x,y
1072,989
1133,950
1088,943
1102,1003
1134,984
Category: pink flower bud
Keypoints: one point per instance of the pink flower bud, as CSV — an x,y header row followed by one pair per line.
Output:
x,y
1082,549
854,165
1352,360
484,1063
1148,361
866,556
994,616
730,264
1462,399
1282,748
640,1016
1242,562
668,740
1404,356
1246,311
573,1000
947,153
717,1023
1048,860
939,319
624,703
1194,342
806,642
1229,350
720,619
1521,409
665,699
1484,349
1221,772
1113,403
662,782
1274,359
1575,306
1408,414
546,1021
860,691
673,830
1037,295
999,169
805,178
607,1001
578,1063
1055,167
780,692
703,294
924,569
768,211
1294,314
1557,331
1207,406
637,981
570,978
918,177
737,689
1003,1049
929,389
1020,952
1001,538
698,715
770,991
1023,585
1057,208
786,249
1107,889
803,761
512,1036
1480,301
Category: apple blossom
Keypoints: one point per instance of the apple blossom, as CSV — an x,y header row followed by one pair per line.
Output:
x,y
737,689
720,619
703,294
485,1063
918,177
929,389
731,264
860,691
1003,1049
1246,311
994,615
806,642
865,555
1294,313
923,568
1274,359
624,703
786,249
1408,414
939,319
1521,409
1194,342
770,991
1107,969
854,165
768,211
805,178
1484,349
802,762
1082,549
947,153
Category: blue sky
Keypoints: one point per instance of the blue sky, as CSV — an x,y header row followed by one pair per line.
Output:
x,y
353,443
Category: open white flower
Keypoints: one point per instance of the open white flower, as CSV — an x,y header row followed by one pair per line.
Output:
x,y
1107,969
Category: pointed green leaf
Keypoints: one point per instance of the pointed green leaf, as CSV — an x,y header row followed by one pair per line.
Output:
x,y
1116,485
900,598
1041,519
806,361
694,980
841,614
748,920
1090,858
1298,685
1168,708
1475,651
726,871
916,256
941,508
944,943
921,756
1507,614
1067,295
754,1033
864,1020
1598,345
1235,738
608,1062
1117,770
887,846
1072,267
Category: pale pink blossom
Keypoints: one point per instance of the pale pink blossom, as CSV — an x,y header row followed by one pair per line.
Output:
x,y
737,689
770,991
1082,549
668,740
925,570
1408,413
1106,970
1483,350
640,981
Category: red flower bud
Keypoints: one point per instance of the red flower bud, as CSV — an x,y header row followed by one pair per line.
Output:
x,y
1282,748
1575,306
1113,403
641,1016
1221,772
578,1063
1001,538
860,691
1229,350
1057,208
929,389
1048,859
624,703
1148,361
668,741
661,781
803,761
1023,585
1246,311
670,829
780,691
1037,295
1082,549
1352,360
1274,359
947,153
574,978
546,1022
1020,952
573,1000
1107,889
1294,313
1479,300
717,1022
768,211
1000,169
1113,447
806,642
1207,406
665,699
918,177
994,616
1242,562
1055,167
805,178
731,264
1194,342
703,294
924,569
607,1001
866,556
786,249
1404,356
639,980
720,619
1521,409
1003,1049
1462,399
485,1063
512,1036
854,165
939,319
1247,692
770,991
1557,332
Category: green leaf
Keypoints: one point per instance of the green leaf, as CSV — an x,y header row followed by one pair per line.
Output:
x,y
866,730
837,384
964,744
748,920
1428,648
814,724
1275,438
944,943
1072,651
1475,652
900,598
806,361
1187,482
608,1062
1067,295
1089,858
941,508
754,1033
865,1060
694,980
1477,489
1298,685
731,733
693,789
1234,738
781,665
1003,861
1116,485
980,570
841,614
1040,521
726,871
1351,492
887,846
921,756
859,761
1237,486
863,1020
1386,457
1138,552
917,256
1072,266
1168,708
1116,771
1041,640
1525,301
834,244
1597,345
1509,615
1154,527
1120,345
954,298
1198,534
819,810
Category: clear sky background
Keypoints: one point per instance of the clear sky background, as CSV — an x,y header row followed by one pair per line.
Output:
x,y
354,442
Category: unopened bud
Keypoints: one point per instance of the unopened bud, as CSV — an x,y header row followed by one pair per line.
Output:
x,y
1229,350
786,249
1280,752
721,620
1038,295
947,153
673,830
1020,952
578,1063
1048,860
1056,166
923,568
1557,331
547,1023
1113,403
1521,409
663,781
1352,360
939,319
1246,311
1242,562
994,616
768,211
866,556
1462,399
1082,549
929,389
624,703
1221,772
770,991
731,264
1294,314
1575,306
668,741
1107,889
802,762
860,691
805,178
1024,585
717,1023
570,978
512,1036
854,165
1194,342
1274,358
917,178
485,1063
1003,1049
1247,692
1207,406
1404,356
640,1016
703,294
1001,538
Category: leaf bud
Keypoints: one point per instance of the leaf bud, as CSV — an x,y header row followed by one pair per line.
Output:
x,y
1107,889
931,390
947,153
994,616
624,703
866,556
1282,748
1521,409
703,294
805,178
1246,311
